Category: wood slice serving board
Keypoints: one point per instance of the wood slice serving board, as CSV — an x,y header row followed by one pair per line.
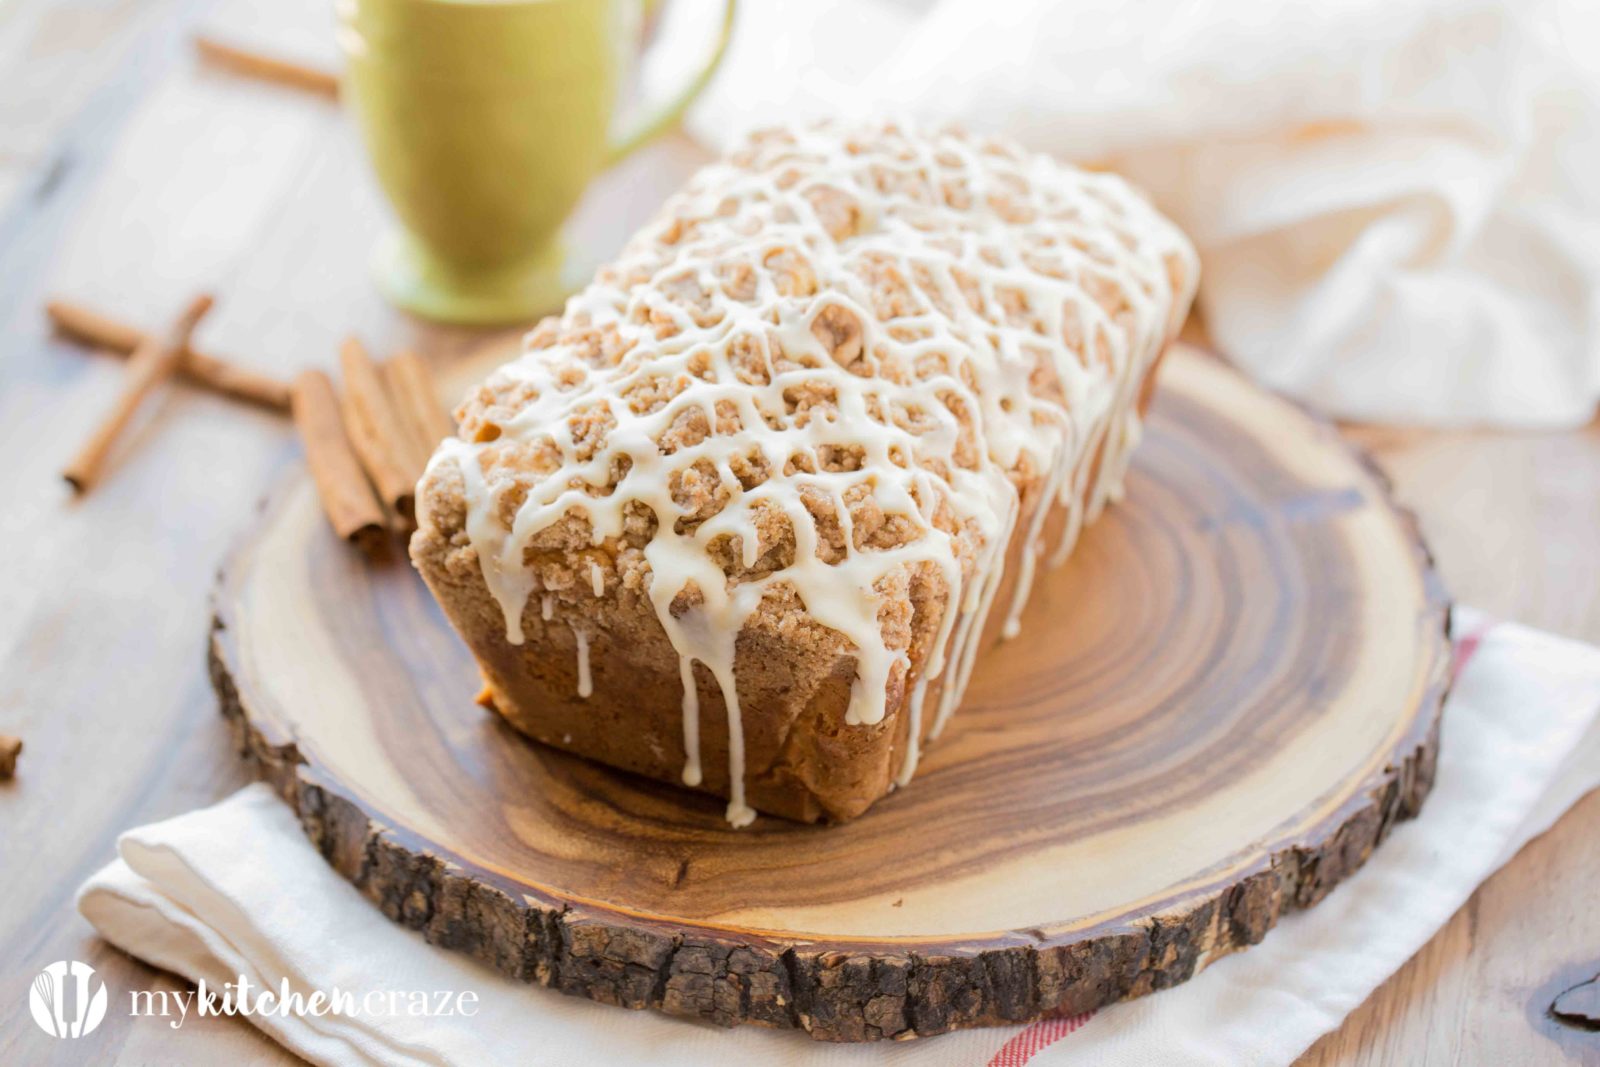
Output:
x,y
1215,711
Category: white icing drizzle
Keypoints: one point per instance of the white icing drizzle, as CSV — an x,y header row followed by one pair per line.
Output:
x,y
547,607
828,365
691,721
597,579
585,682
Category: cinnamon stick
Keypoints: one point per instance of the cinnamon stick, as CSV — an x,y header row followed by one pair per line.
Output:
x,y
267,68
10,749
376,431
347,499
155,359
417,400
92,328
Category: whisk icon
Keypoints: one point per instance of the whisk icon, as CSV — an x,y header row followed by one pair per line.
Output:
x,y
67,1000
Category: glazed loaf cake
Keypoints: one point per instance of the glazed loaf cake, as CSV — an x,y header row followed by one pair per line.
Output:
x,y
744,515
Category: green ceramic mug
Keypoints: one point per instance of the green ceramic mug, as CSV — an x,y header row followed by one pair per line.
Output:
x,y
485,120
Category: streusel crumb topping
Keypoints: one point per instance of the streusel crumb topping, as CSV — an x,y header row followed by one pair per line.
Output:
x,y
843,360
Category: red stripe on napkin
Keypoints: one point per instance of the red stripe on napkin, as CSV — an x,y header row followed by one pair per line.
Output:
x,y
1022,1048
1467,647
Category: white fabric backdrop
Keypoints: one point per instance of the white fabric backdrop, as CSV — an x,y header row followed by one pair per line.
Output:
x,y
1395,200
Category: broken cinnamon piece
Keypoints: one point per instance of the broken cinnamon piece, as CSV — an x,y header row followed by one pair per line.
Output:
x,y
92,328
10,749
268,68
417,398
352,508
377,432
152,362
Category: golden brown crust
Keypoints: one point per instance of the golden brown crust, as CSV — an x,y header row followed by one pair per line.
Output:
x,y
794,679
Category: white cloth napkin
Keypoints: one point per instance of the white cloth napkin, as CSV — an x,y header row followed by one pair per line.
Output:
x,y
1394,200
235,889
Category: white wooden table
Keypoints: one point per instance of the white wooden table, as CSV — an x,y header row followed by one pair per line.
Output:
x,y
129,179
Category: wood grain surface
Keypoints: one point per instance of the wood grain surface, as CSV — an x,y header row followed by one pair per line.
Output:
x,y
99,643
1215,712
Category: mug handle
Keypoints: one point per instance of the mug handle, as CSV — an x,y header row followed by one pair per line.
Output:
x,y
657,123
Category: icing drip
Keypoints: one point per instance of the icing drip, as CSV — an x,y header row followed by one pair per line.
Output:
x,y
739,813
547,607
585,683
842,365
691,721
